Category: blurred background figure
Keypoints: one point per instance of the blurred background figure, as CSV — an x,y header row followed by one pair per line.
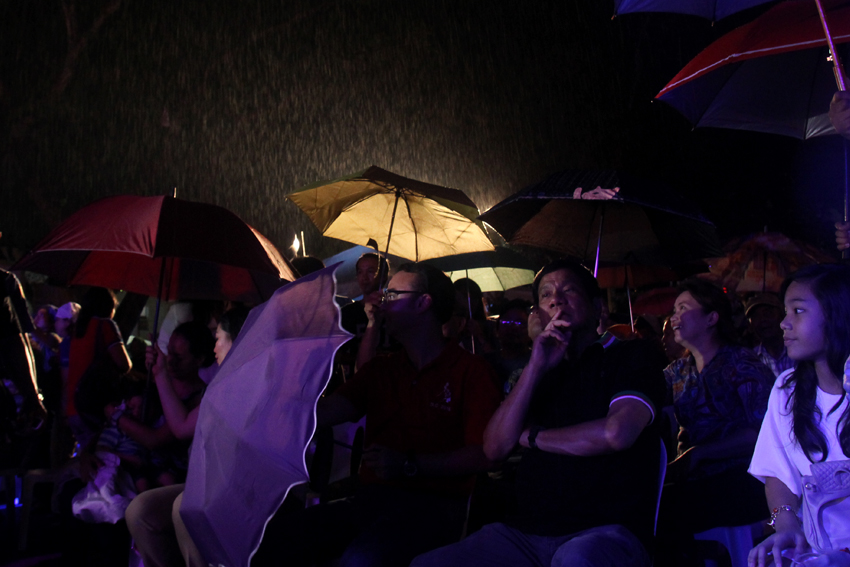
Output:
x,y
305,265
514,343
765,313
469,325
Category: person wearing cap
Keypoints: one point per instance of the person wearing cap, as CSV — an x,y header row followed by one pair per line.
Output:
x,y
764,313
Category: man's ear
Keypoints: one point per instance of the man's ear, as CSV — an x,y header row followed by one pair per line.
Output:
x,y
424,302
713,318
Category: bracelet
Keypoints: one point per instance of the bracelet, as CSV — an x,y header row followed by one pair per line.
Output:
x,y
532,436
777,511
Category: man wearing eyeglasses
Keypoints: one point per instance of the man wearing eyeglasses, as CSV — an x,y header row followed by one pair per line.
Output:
x,y
426,409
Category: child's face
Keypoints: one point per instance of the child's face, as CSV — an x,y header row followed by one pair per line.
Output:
x,y
43,320
134,406
62,325
804,324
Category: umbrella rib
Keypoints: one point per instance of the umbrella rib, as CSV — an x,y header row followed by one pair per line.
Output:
x,y
729,58
412,223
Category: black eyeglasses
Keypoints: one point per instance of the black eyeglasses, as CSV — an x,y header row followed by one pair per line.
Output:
x,y
393,294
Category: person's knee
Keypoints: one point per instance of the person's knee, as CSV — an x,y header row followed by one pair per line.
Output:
x,y
175,510
605,546
134,514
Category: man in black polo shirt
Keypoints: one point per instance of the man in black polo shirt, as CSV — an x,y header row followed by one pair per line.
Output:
x,y
584,409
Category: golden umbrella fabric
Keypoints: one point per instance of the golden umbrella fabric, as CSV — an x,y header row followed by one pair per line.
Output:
x,y
405,217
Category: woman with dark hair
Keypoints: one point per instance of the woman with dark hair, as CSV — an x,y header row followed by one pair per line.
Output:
x,y
808,417
227,330
153,517
96,341
719,394
180,387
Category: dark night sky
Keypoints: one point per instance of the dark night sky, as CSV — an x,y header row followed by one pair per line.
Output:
x,y
238,103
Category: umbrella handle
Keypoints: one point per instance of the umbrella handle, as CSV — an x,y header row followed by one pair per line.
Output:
x,y
840,79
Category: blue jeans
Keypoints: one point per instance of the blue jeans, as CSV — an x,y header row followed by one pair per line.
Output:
x,y
497,545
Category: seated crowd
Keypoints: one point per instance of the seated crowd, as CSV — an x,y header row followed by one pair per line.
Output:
x,y
547,446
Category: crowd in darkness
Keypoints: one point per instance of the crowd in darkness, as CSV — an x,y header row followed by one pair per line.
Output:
x,y
535,435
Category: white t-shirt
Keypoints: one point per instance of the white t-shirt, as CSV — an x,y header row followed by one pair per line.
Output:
x,y
778,455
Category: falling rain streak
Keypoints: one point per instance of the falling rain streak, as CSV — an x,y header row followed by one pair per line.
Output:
x,y
238,103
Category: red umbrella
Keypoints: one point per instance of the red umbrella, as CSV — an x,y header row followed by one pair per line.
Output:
x,y
772,75
162,247
776,74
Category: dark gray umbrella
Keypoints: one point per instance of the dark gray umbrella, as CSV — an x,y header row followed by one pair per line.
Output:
x,y
605,217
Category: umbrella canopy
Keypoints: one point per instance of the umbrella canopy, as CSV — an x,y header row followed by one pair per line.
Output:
x,y
572,213
761,261
499,270
772,75
120,243
257,418
407,218
710,9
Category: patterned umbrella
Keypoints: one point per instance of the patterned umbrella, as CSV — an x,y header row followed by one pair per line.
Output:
x,y
761,261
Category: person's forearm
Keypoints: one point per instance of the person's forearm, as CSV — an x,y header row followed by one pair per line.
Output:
x,y
118,354
507,424
464,461
617,431
150,438
174,410
778,495
368,346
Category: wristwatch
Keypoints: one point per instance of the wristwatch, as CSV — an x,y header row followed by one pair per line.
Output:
x,y
532,436
410,467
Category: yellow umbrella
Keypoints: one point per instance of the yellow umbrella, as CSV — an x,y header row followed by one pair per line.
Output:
x,y
405,217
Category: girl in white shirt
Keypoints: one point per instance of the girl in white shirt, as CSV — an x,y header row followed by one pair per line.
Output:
x,y
808,415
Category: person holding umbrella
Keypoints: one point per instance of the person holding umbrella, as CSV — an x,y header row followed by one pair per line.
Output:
x,y
149,517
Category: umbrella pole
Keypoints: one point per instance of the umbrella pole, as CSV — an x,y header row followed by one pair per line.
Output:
x,y
841,83
469,307
599,243
389,236
154,337
840,79
629,296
